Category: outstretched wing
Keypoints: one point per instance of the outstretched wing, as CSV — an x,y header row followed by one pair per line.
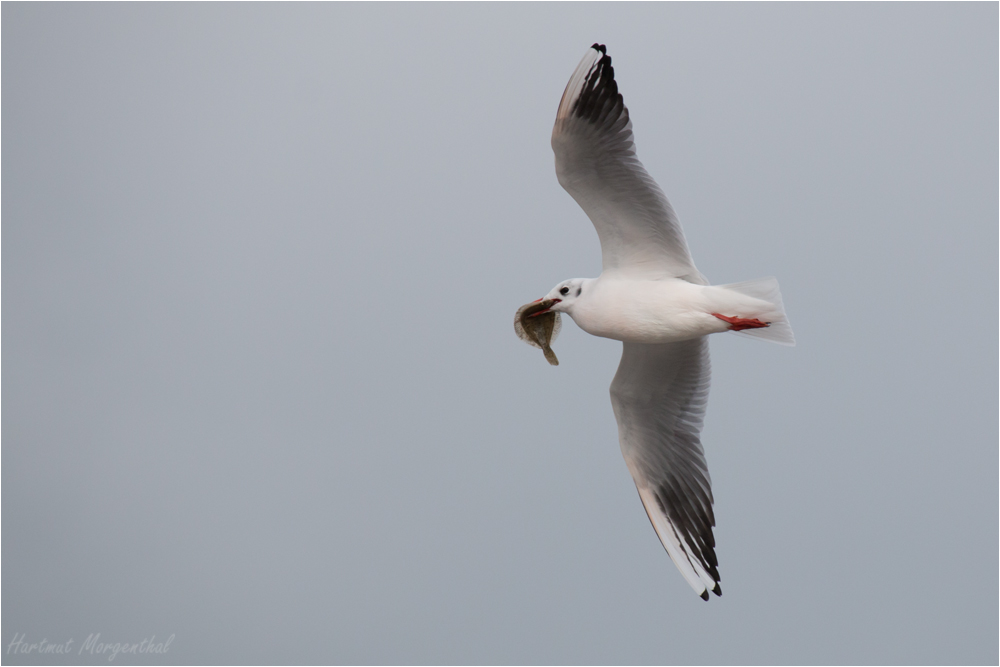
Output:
x,y
596,163
659,395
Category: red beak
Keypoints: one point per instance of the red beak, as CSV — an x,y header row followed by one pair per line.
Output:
x,y
543,307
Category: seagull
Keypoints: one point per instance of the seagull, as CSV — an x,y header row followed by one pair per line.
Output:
x,y
651,297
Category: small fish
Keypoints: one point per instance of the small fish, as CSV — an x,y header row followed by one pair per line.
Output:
x,y
538,326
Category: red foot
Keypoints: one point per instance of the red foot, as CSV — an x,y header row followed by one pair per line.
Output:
x,y
741,323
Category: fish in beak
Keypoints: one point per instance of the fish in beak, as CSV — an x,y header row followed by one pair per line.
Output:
x,y
538,326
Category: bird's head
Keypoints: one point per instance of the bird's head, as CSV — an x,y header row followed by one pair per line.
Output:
x,y
564,295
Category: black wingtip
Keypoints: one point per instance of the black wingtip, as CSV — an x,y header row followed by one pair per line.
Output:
x,y
704,595
600,47
718,589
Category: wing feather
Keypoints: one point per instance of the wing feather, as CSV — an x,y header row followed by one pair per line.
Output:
x,y
596,163
659,396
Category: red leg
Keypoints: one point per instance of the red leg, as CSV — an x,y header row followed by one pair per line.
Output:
x,y
741,323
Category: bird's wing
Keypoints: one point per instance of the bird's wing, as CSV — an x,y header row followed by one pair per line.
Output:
x,y
659,395
596,163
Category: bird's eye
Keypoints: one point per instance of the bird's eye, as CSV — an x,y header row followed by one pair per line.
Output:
x,y
564,291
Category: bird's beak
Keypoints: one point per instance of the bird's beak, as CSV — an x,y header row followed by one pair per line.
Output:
x,y
539,307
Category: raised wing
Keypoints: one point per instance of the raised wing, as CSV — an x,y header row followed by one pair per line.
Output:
x,y
659,395
597,165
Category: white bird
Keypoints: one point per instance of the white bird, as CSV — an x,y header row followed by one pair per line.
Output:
x,y
651,297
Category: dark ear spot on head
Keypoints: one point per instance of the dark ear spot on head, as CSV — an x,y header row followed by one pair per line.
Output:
x,y
578,290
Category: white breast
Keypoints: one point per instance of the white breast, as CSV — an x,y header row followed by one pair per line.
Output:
x,y
645,311
659,311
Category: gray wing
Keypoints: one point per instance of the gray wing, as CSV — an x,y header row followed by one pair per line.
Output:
x,y
597,165
659,395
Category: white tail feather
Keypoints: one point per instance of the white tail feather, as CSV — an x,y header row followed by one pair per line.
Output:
x,y
766,289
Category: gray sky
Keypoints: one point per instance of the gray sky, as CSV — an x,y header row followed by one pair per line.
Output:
x,y
261,389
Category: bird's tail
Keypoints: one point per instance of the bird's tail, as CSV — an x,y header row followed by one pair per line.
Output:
x,y
766,289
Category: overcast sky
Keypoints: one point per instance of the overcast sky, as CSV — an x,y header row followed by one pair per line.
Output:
x,y
261,389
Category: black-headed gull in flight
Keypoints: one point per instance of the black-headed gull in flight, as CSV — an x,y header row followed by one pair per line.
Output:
x,y
651,297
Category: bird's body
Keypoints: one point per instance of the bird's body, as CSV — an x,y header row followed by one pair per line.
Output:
x,y
651,297
660,311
